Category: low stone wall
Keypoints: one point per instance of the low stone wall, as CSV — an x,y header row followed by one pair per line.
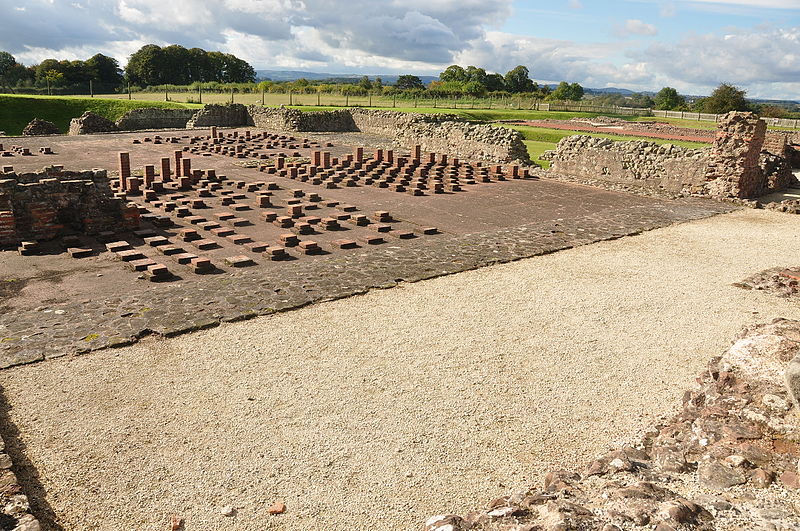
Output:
x,y
733,167
89,122
155,118
645,164
441,133
230,115
53,203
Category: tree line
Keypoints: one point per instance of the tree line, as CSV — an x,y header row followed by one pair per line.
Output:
x,y
150,65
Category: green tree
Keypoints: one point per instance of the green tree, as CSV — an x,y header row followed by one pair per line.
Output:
x,y
453,73
7,64
494,82
566,91
105,70
668,99
726,98
365,83
407,82
518,80
147,66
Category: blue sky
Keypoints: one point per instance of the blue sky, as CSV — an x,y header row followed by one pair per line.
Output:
x,y
637,44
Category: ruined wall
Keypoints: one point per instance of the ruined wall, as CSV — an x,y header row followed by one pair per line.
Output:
x,y
639,163
89,122
155,118
51,203
229,115
442,133
734,167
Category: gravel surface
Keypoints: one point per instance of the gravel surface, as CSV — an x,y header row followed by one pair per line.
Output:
x,y
377,411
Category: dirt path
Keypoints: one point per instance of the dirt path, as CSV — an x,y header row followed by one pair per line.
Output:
x,y
618,130
375,412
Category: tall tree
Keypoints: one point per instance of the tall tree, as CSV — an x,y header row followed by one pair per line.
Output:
x,y
407,82
453,73
726,98
495,82
668,99
104,69
518,80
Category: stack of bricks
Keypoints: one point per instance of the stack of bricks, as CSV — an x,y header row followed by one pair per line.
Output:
x,y
414,174
50,204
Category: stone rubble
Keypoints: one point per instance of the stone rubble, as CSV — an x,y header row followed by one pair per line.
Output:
x,y
89,122
728,460
38,127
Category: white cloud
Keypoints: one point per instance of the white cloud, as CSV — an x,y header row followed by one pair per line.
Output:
x,y
575,4
636,27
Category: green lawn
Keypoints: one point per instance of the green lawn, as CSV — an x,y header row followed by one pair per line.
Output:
x,y
17,111
540,139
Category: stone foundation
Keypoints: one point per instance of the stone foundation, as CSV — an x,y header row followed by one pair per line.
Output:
x,y
734,167
230,115
54,203
155,118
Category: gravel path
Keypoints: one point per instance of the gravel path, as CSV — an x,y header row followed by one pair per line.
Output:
x,y
376,411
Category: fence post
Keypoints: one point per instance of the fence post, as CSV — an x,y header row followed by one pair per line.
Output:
x,y
415,101
290,97
394,100
370,100
166,94
129,90
347,100
318,99
91,89
200,93
231,94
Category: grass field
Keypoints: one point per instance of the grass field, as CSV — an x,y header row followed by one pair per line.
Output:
x,y
17,111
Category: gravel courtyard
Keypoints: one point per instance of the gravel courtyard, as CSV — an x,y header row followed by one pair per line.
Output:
x,y
377,411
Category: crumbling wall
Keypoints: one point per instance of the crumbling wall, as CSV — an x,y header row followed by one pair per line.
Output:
x,y
89,122
666,167
733,167
155,118
229,115
51,203
275,119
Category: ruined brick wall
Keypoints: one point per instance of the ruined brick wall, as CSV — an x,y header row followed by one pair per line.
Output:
x,y
465,140
51,203
155,118
733,169
229,115
275,119
645,164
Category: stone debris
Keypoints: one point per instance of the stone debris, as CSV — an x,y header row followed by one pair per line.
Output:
x,y
780,281
37,127
89,123
727,460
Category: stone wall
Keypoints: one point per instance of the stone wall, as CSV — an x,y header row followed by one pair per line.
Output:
x,y
52,203
734,167
669,168
155,118
229,115
442,133
89,122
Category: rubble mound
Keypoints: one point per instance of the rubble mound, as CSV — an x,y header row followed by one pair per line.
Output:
x,y
38,127
89,123
727,460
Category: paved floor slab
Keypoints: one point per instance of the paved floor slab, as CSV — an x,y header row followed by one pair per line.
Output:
x,y
374,412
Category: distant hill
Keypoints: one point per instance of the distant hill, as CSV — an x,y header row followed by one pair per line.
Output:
x,y
293,75
390,79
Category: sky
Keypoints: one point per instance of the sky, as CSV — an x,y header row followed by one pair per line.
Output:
x,y
636,44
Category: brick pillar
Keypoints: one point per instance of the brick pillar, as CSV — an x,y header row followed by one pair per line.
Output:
x,y
326,159
124,170
213,131
379,155
316,158
733,165
186,167
359,154
165,170
149,175
417,155
178,156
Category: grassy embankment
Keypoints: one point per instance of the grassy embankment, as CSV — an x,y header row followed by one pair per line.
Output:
x,y
17,111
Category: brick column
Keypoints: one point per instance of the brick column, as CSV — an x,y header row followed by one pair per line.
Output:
x,y
124,170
